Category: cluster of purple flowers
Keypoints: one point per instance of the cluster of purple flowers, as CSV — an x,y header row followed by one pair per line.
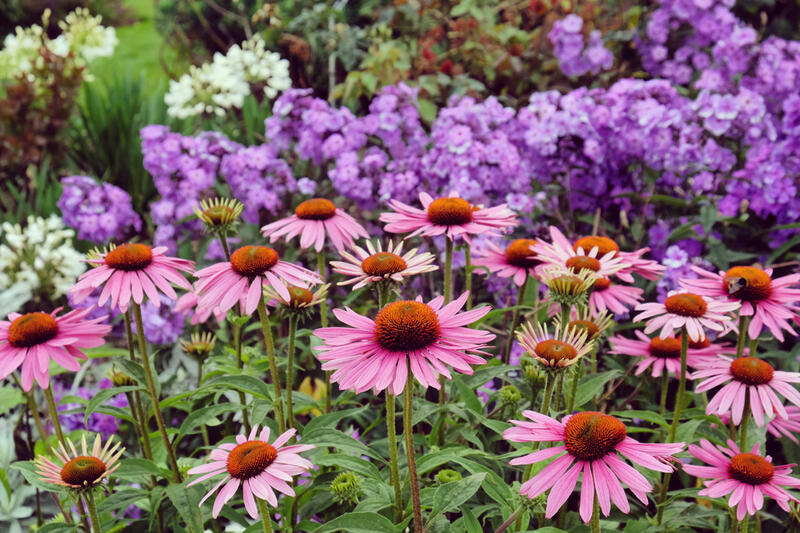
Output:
x,y
576,58
104,424
99,212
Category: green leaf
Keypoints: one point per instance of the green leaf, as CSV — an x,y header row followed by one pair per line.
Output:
x,y
139,469
186,502
331,419
57,527
10,397
591,386
202,416
242,382
349,462
359,523
102,396
468,395
450,496
133,369
648,416
336,439
122,499
28,470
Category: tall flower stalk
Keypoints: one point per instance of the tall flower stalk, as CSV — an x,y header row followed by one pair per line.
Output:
x,y
266,329
408,433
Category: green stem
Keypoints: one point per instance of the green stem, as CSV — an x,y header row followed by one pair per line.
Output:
x,y
223,240
137,409
573,389
33,407
559,390
237,342
394,471
290,368
745,523
273,367
662,406
203,427
565,309
675,420
51,407
151,388
745,422
468,274
408,428
93,518
323,316
448,271
514,321
742,340
266,521
595,515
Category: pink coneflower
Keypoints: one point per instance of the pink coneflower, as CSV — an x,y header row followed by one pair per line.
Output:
x,y
243,278
517,261
188,303
259,467
647,268
660,354
132,271
451,216
376,264
33,339
372,354
608,296
561,253
764,299
747,477
564,347
780,427
685,309
80,470
746,376
312,220
592,442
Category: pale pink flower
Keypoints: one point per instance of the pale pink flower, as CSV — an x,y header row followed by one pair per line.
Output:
x,y
187,303
687,310
561,253
132,271
451,216
592,444
764,299
313,220
743,377
259,467
747,477
609,296
33,339
660,354
80,469
372,354
517,261
786,427
376,264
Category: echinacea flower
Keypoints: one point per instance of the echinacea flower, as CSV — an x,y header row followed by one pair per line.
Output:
x,y
592,444
132,271
747,477
80,470
450,216
33,339
566,286
300,299
199,345
219,215
372,354
659,354
687,310
376,264
563,348
786,427
607,295
259,467
586,319
561,253
517,261
242,279
312,220
746,376
647,268
764,299
188,302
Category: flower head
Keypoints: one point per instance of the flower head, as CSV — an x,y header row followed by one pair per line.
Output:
x,y
199,345
563,348
312,220
647,268
604,262
746,376
659,354
375,264
584,318
259,466
80,470
451,216
132,271
517,261
566,286
300,300
219,215
33,339
786,427
766,300
614,297
373,354
687,310
592,444
243,278
747,477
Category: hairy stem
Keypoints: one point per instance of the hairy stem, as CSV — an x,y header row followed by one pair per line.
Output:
x,y
514,321
408,428
394,471
273,366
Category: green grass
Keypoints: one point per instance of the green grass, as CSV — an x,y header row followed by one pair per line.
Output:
x,y
138,50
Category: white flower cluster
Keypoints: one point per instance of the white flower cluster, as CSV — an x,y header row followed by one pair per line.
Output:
x,y
216,87
39,258
81,33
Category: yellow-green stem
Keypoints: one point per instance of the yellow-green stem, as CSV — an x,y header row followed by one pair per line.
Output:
x,y
408,428
323,316
742,340
514,321
151,389
137,409
394,471
595,515
33,407
223,240
662,405
93,517
53,410
237,341
745,422
266,521
448,295
559,390
468,274
266,329
203,427
290,368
